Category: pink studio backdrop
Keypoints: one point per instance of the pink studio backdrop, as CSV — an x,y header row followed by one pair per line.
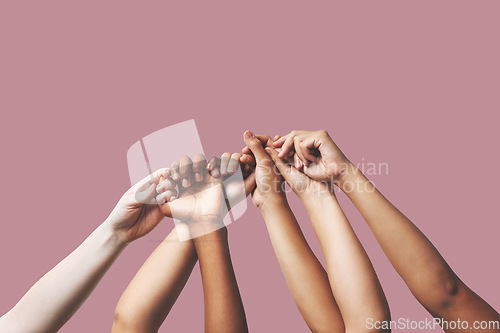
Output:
x,y
414,85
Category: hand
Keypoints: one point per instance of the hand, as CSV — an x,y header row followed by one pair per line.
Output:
x,y
298,181
269,183
192,193
236,188
136,213
315,153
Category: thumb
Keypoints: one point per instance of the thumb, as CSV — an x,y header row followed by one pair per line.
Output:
x,y
145,193
255,146
249,183
283,167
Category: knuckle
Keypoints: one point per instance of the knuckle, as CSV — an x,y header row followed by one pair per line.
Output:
x,y
254,142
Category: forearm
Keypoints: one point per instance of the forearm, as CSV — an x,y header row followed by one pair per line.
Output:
x,y
51,302
151,294
224,310
413,256
301,268
352,277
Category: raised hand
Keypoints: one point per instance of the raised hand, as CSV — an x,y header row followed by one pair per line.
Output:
x,y
315,153
136,213
236,188
269,183
193,195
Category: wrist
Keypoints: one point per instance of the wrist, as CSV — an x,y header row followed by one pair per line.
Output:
x,y
273,203
317,199
111,237
354,181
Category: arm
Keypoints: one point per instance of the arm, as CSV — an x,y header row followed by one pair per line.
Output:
x,y
224,310
426,273
299,264
149,297
352,278
418,262
201,205
51,302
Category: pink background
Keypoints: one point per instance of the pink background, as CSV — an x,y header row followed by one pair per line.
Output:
x,y
414,85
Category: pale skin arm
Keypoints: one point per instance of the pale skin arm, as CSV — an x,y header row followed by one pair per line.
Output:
x,y
304,274
425,272
51,302
151,294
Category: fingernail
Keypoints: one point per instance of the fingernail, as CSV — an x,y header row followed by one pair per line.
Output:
x,y
215,172
197,177
209,166
160,199
175,176
159,188
186,183
248,135
172,198
297,164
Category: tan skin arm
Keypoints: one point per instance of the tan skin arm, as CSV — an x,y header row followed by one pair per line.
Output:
x,y
418,262
425,272
151,294
304,274
352,278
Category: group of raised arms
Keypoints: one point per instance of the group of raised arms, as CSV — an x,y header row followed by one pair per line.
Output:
x,y
339,297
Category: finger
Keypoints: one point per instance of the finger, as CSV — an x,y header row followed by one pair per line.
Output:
x,y
249,183
153,178
276,137
283,168
306,152
298,151
224,162
255,146
199,167
166,196
165,184
264,139
248,160
213,167
280,141
234,163
297,162
246,150
145,193
287,146
186,170
175,171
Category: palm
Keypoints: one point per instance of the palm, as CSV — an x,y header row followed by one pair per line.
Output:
x,y
200,202
134,218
